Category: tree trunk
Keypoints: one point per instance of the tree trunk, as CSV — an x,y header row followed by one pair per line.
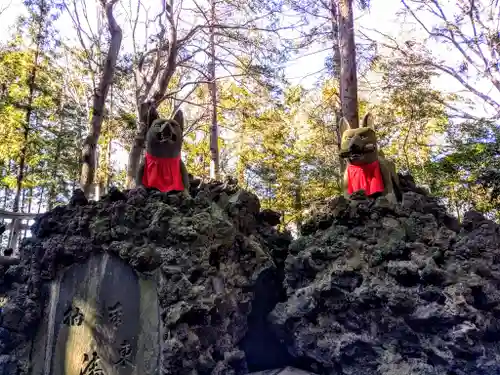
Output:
x,y
97,192
27,119
241,166
348,76
40,201
146,113
136,152
30,202
147,104
337,63
109,174
23,201
297,205
214,128
7,191
336,41
55,166
89,154
53,183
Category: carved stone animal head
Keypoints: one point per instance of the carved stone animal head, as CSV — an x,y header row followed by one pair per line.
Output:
x,y
359,146
164,137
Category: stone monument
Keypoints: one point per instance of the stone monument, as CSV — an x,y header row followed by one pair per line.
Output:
x,y
100,318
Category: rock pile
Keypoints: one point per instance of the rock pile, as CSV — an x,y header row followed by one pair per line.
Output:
x,y
214,252
369,287
375,288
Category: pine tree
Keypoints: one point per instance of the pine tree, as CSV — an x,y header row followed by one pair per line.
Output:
x,y
28,84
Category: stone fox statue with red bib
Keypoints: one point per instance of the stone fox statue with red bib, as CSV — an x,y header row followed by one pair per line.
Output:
x,y
162,167
367,169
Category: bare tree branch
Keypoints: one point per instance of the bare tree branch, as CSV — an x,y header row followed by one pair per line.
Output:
x,y
4,7
471,47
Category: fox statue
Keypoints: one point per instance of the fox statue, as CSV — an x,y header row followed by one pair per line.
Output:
x,y
162,167
367,169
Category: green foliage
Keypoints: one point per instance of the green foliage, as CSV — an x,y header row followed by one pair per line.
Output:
x,y
279,140
467,174
196,150
37,126
411,118
279,151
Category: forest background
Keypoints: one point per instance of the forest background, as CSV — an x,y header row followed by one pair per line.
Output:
x,y
258,82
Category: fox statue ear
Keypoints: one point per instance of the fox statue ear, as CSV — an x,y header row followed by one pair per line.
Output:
x,y
179,118
343,125
368,121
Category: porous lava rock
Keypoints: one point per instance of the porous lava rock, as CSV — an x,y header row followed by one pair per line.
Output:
x,y
214,250
376,288
368,288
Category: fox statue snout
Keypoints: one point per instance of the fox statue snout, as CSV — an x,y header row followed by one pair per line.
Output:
x,y
166,133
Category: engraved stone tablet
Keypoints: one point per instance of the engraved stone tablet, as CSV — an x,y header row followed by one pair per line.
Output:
x,y
101,318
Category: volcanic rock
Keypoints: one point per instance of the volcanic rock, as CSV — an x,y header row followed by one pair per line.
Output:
x,y
215,254
376,288
369,287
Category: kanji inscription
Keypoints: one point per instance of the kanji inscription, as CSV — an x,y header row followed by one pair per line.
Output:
x,y
91,365
125,353
115,314
73,316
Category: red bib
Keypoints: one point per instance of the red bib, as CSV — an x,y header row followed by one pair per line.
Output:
x,y
163,174
365,177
